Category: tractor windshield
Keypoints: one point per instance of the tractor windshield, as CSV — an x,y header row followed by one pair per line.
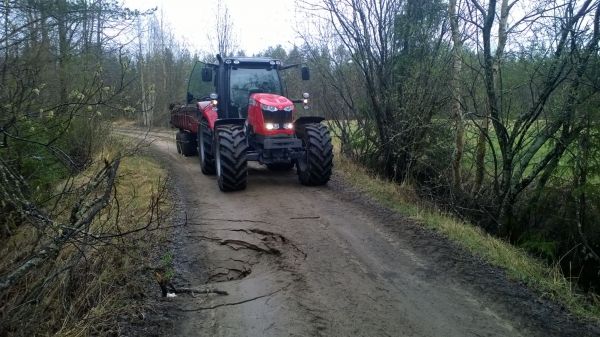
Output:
x,y
246,81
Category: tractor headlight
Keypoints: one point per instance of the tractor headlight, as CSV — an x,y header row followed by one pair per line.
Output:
x,y
213,99
288,126
271,126
288,108
268,107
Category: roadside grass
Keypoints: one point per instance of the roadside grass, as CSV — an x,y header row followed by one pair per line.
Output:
x,y
88,289
547,280
117,280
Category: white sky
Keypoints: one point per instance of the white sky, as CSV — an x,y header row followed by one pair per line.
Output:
x,y
258,24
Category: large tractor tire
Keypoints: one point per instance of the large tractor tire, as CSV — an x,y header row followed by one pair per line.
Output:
x,y
186,143
230,157
315,167
207,160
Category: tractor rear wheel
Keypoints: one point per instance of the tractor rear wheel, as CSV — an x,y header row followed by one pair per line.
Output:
x,y
315,167
207,160
230,157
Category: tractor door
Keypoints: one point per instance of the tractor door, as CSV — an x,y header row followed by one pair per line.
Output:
x,y
199,90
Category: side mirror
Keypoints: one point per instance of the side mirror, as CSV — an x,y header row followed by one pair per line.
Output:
x,y
206,74
305,73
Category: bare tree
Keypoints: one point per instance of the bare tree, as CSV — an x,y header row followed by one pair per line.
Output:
x,y
535,131
224,34
56,94
456,108
390,42
162,66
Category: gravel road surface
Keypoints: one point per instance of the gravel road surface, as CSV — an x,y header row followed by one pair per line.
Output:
x,y
327,261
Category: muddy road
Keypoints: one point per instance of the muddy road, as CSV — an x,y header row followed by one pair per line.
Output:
x,y
326,261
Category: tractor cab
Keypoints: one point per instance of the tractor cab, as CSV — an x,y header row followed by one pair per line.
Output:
x,y
249,79
234,80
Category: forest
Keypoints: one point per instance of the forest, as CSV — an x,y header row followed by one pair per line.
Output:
x,y
488,110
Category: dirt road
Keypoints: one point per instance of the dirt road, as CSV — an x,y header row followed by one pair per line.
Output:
x,y
325,261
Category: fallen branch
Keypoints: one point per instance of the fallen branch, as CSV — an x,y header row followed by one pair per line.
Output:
x,y
82,215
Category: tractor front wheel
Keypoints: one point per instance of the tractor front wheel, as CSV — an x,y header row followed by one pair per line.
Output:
x,y
230,157
314,168
207,161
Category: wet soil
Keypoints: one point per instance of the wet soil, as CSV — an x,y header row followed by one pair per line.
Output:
x,y
325,261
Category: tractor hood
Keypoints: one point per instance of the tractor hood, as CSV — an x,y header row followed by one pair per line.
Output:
x,y
273,100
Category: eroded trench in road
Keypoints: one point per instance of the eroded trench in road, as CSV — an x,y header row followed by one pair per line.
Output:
x,y
212,252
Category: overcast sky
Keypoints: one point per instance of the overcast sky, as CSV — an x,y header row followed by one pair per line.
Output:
x,y
258,23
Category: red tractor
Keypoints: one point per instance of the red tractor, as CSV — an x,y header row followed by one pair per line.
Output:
x,y
237,111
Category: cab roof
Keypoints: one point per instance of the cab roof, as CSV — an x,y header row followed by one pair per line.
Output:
x,y
255,60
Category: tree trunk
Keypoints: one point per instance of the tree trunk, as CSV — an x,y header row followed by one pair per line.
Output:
x,y
141,71
164,90
496,84
456,110
480,151
63,49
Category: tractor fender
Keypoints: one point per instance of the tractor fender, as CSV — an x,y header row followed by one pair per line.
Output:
x,y
308,119
302,121
209,114
230,121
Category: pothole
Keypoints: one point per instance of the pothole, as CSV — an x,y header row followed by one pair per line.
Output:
x,y
231,254
236,252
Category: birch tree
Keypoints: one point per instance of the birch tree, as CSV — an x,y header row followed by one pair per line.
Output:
x,y
532,141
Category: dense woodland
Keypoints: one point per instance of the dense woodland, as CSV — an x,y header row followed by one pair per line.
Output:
x,y
488,109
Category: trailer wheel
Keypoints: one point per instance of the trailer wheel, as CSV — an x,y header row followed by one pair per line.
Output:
x,y
280,166
230,157
178,141
315,167
207,160
186,144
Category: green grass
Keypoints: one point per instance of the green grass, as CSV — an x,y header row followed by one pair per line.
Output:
x,y
548,281
563,171
117,274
